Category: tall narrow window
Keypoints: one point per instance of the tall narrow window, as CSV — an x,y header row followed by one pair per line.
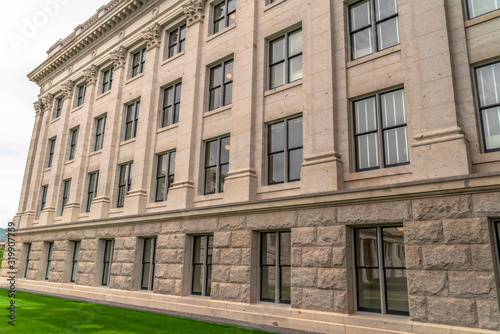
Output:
x,y
131,120
52,146
285,150
224,15
221,85
380,265
138,61
488,92
171,105
58,107
65,194
43,199
374,26
80,98
106,262
148,263
202,265
50,246
275,262
100,125
124,183
176,41
73,139
27,260
380,122
107,79
216,164
496,231
92,189
74,265
285,59
480,7
164,175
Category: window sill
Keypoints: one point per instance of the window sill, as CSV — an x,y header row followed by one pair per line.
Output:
x,y
69,162
138,76
77,108
103,95
222,32
218,110
376,173
284,87
272,5
167,128
486,158
482,18
95,153
278,187
208,198
115,211
168,60
128,141
373,56
55,120
47,169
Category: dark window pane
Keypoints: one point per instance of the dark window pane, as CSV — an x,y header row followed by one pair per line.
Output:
x,y
219,11
209,280
295,133
394,248
147,250
276,168
368,289
285,249
224,169
215,98
199,249
268,248
388,33
295,69
210,180
231,5
225,147
393,109
362,43
172,163
211,153
295,164
396,287
160,190
228,93
491,127
268,283
480,7
285,284
368,153
360,15
278,50
197,279
385,8
277,75
276,136
295,43
365,115
145,275
366,247
396,146
228,71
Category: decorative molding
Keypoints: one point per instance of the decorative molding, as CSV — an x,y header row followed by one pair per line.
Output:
x,y
48,101
90,75
322,158
195,11
152,36
38,105
119,57
438,136
67,89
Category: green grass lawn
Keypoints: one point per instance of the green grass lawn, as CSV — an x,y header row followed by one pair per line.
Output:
x,y
45,314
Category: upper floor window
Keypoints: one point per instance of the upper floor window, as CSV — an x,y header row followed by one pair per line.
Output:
x,y
176,41
52,146
171,105
480,7
107,79
43,199
224,15
100,125
138,60
73,138
285,59
148,263
124,182
275,271
488,92
284,153
58,107
221,85
202,265
164,175
131,120
65,194
380,133
80,96
216,164
91,189
373,26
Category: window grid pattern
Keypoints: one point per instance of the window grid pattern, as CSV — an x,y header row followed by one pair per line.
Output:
x,y
224,15
488,92
92,189
82,89
49,260
275,267
201,271
27,260
285,59
138,61
100,125
107,80
221,85
176,41
216,164
480,7
106,262
72,143
165,172
148,263
76,256
52,146
171,105
124,183
59,106
65,194
131,120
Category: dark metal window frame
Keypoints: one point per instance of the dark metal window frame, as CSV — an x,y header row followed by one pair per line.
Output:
x,y
81,91
152,251
218,184
373,26
72,143
49,260
100,127
175,106
92,189
166,179
496,237
65,194
58,108
138,57
107,261
75,260
124,188
27,260
205,265
286,60
469,16
107,79
131,120
176,46
52,147
43,199
222,85
225,17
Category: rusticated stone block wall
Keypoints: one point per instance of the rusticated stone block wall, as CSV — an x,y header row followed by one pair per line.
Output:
x,y
169,269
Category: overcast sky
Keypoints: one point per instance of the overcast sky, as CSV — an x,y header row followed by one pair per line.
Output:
x,y
27,29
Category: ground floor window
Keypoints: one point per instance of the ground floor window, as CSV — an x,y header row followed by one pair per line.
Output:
x,y
381,270
106,262
275,261
76,256
496,228
27,262
49,260
201,271
148,263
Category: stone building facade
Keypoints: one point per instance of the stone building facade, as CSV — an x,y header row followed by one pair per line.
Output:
x,y
331,166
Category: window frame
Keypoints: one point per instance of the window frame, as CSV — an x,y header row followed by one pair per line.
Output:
x,y
206,266
27,260
52,147
226,17
287,57
131,119
75,259
50,246
59,103
81,90
178,45
167,179
93,180
223,86
107,261
140,57
468,10
65,194
152,263
43,199
172,118
73,140
99,132
124,188
218,165
107,82
496,238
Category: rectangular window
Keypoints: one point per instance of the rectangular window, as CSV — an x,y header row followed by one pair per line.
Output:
x,y
201,271
131,120
107,79
52,146
106,262
73,139
171,105
138,60
275,262
27,260
380,270
216,164
92,189
176,41
74,265
284,153
496,231
43,199
373,26
488,92
124,183
148,263
480,7
380,122
285,59
50,246
221,85
80,97
224,15
100,126
164,175
58,107
65,194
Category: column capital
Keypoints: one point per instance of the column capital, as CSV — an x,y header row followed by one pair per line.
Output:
x,y
152,36
119,57
194,10
38,105
90,75
67,89
48,101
